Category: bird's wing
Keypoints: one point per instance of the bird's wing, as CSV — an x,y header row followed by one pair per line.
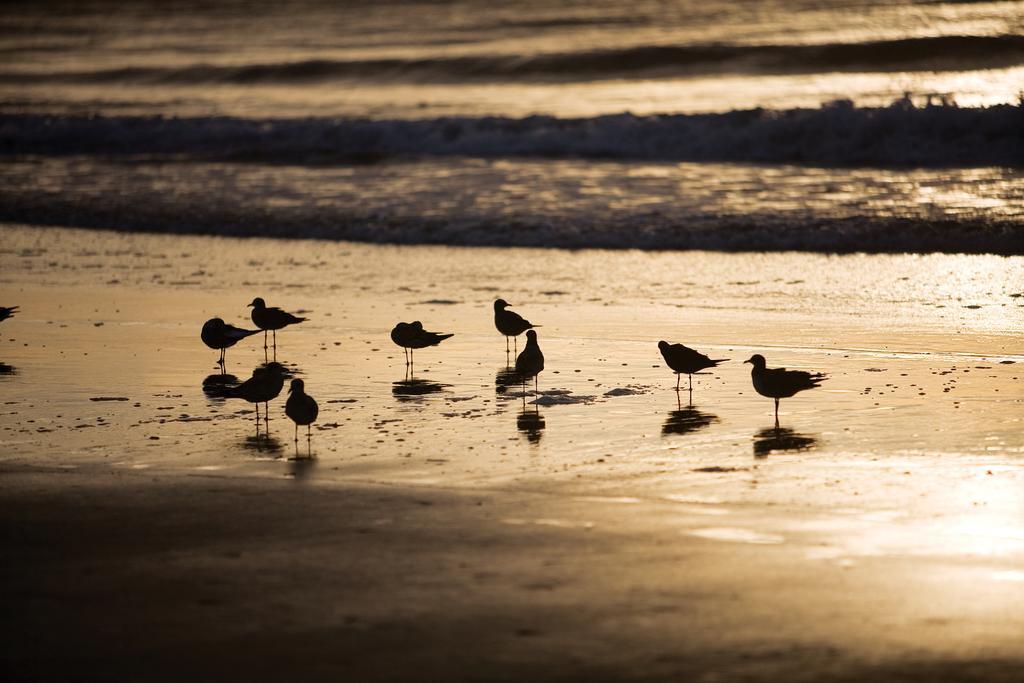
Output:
x,y
236,333
518,318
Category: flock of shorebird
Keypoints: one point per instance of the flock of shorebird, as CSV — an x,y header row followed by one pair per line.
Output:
x,y
268,380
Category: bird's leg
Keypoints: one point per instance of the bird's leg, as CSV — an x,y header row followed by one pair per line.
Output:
x,y
275,339
776,413
536,385
691,382
689,399
507,347
266,414
296,437
515,345
678,377
264,342
257,419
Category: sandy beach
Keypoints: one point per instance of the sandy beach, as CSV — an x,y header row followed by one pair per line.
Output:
x,y
454,528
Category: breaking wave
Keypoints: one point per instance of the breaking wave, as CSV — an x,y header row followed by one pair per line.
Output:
x,y
838,134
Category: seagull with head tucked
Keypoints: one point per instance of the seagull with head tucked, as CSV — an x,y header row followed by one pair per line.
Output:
x,y
412,336
217,334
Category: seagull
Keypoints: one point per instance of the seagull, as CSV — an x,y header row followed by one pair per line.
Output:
x,y
272,319
509,323
412,336
530,362
264,386
301,408
217,334
683,359
6,312
779,382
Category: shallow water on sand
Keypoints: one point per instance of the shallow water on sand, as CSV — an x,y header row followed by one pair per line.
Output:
x,y
914,444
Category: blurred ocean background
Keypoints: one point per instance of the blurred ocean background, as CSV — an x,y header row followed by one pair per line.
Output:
x,y
824,125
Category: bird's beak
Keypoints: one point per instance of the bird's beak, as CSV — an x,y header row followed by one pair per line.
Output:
x,y
248,305
747,360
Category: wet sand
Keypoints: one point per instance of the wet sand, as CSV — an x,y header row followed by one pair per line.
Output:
x,y
205,578
450,527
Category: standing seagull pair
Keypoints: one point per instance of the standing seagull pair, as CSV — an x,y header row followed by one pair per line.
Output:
x,y
774,383
219,335
530,362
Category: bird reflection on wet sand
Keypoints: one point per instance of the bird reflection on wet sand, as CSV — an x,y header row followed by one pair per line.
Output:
x,y
771,439
215,385
505,378
414,389
686,420
264,443
531,423
301,468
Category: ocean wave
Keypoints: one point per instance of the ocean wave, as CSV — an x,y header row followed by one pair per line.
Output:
x,y
939,53
837,134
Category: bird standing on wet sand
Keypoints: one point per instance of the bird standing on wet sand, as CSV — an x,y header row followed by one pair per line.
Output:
x,y
412,336
301,408
779,383
7,311
217,334
684,360
509,323
264,386
530,362
272,319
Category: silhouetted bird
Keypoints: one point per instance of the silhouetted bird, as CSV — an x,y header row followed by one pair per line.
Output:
x,y
272,319
412,336
530,362
779,383
217,334
7,311
509,323
684,360
300,407
264,386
